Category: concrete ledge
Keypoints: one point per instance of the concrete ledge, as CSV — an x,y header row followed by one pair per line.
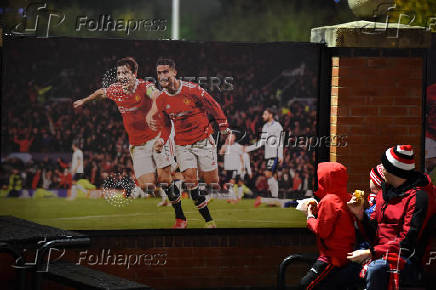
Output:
x,y
372,34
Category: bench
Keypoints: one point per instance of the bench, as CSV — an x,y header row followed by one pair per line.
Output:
x,y
309,259
84,278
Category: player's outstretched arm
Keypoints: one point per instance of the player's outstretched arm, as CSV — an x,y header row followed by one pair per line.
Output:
x,y
151,121
213,108
96,95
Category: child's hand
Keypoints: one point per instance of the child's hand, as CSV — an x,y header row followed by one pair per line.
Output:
x,y
312,209
359,256
356,208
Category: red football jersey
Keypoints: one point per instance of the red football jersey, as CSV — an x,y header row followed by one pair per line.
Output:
x,y
134,108
189,108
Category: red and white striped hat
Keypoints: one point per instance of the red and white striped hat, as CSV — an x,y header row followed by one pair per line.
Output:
x,y
377,176
399,160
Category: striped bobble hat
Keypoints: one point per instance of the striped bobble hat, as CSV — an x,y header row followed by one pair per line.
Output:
x,y
377,176
399,160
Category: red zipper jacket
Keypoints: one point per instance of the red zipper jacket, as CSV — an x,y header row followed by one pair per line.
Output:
x,y
334,226
401,216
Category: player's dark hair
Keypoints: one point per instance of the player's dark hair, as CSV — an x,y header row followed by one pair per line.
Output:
x,y
130,62
270,110
166,61
76,143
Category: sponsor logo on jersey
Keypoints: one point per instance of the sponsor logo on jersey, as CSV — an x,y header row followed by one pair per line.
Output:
x,y
137,98
186,101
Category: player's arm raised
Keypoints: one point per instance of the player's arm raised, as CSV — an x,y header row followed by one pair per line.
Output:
x,y
98,94
213,108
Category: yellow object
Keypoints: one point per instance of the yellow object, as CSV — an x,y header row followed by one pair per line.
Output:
x,y
359,195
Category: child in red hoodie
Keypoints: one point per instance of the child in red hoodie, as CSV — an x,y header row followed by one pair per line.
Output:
x,y
335,231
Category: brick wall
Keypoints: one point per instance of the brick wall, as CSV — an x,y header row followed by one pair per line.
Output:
x,y
376,102
237,259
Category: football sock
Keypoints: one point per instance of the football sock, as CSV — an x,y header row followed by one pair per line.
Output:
x,y
174,196
73,191
273,186
201,204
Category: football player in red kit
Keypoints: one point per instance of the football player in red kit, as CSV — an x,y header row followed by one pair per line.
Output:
x,y
133,98
188,106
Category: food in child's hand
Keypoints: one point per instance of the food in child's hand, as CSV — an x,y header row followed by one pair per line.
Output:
x,y
358,197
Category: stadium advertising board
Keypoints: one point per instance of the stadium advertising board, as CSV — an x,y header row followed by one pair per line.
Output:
x,y
127,134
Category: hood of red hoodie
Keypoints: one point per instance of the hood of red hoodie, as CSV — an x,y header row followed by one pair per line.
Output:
x,y
332,179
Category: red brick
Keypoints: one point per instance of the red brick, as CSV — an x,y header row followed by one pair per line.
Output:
x,y
354,62
392,92
359,139
410,83
364,91
351,82
416,74
345,92
382,82
415,130
393,131
407,121
335,81
352,100
335,71
380,100
407,61
351,120
380,121
411,100
414,91
378,62
393,111
334,91
414,111
362,130
335,61
364,111
340,130
343,111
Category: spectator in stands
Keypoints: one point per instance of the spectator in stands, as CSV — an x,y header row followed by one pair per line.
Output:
x,y
15,183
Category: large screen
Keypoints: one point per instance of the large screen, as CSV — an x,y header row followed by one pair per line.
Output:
x,y
122,134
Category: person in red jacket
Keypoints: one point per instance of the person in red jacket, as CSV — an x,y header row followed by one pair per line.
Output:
x,y
402,212
334,228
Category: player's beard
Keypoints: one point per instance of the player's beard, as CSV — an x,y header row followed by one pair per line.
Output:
x,y
165,83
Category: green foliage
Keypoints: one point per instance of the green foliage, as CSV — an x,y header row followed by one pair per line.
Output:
x,y
422,10
274,20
